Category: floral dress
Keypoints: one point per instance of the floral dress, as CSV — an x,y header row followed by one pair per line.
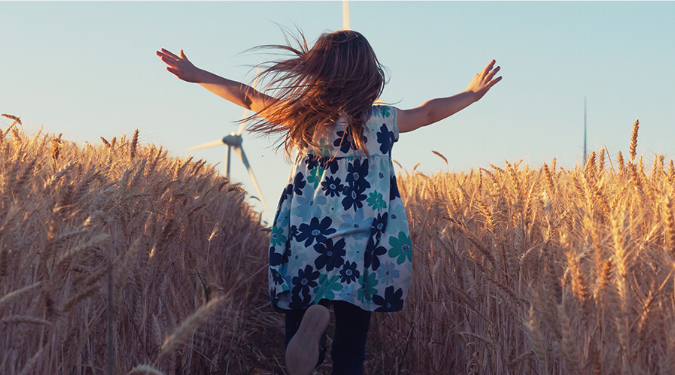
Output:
x,y
340,231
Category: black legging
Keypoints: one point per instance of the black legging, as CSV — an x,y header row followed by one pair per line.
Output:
x,y
349,342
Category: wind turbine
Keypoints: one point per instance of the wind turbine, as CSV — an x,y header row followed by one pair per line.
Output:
x,y
234,141
345,26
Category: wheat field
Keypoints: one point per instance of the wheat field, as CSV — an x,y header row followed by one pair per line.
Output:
x,y
117,258
539,271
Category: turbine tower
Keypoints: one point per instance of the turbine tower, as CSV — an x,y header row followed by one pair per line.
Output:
x,y
234,141
585,152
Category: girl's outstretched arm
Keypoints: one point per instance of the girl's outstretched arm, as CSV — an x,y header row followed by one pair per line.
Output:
x,y
236,92
438,109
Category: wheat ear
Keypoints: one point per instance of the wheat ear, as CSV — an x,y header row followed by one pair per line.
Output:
x,y
9,297
633,140
181,334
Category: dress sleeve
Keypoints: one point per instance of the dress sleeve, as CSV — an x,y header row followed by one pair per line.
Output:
x,y
394,124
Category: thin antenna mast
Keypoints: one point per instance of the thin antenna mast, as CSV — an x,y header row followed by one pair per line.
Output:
x,y
585,153
345,15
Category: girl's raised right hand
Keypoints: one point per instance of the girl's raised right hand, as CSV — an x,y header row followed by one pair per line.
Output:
x,y
483,81
180,66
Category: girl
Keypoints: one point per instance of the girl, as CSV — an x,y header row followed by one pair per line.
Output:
x,y
340,234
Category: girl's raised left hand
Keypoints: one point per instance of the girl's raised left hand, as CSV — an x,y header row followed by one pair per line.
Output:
x,y
483,81
180,66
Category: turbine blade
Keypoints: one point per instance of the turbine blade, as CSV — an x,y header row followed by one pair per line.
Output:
x,y
207,145
243,124
242,155
255,81
255,85
345,15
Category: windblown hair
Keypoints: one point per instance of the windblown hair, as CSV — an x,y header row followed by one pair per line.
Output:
x,y
338,78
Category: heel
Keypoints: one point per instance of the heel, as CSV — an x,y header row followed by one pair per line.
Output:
x,y
302,353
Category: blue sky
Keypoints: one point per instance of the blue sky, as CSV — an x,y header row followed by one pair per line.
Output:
x,y
88,69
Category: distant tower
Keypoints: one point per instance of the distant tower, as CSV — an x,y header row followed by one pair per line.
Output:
x,y
345,15
585,153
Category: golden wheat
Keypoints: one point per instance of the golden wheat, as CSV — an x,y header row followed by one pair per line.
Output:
x,y
526,271
575,266
73,218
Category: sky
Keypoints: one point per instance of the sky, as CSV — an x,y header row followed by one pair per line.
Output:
x,y
89,70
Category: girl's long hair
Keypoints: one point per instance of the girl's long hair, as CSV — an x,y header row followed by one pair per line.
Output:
x,y
339,77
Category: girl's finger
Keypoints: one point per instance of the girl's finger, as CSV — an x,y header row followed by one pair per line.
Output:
x,y
172,70
169,53
494,81
488,67
169,61
182,55
492,74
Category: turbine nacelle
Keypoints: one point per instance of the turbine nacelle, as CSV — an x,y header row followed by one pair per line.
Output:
x,y
233,139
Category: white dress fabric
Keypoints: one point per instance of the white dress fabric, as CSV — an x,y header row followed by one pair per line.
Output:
x,y
340,231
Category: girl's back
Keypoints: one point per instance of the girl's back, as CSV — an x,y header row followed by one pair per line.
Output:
x,y
340,232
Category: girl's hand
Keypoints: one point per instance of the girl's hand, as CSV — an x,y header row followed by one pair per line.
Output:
x,y
483,81
180,66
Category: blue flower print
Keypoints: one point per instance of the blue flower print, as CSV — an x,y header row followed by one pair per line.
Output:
x,y
387,273
352,198
344,142
330,165
273,295
300,303
331,255
400,248
349,273
327,288
312,161
309,205
355,251
277,259
378,226
282,217
393,188
355,222
277,237
333,207
381,111
385,138
356,175
372,253
324,148
367,290
375,201
299,183
315,231
315,176
292,233
276,277
332,186
299,257
391,302
306,279
288,191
